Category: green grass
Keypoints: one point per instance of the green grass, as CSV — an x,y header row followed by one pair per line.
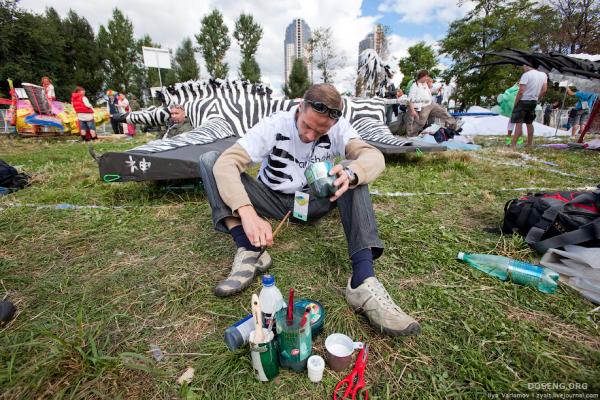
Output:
x,y
95,287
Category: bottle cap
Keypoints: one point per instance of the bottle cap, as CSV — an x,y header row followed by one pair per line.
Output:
x,y
461,256
268,280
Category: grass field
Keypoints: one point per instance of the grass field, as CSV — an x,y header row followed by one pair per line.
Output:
x,y
95,287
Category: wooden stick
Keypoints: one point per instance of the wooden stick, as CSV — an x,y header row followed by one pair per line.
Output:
x,y
262,250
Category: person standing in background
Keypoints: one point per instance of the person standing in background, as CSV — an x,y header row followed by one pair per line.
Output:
x,y
113,110
85,113
532,87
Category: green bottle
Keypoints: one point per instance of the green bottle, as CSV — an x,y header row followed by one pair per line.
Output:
x,y
543,279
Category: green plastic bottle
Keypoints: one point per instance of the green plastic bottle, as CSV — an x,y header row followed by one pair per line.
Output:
x,y
543,279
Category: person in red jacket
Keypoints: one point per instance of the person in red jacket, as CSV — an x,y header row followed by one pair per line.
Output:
x,y
85,113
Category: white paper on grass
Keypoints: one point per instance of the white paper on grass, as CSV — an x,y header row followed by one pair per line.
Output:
x,y
496,125
579,267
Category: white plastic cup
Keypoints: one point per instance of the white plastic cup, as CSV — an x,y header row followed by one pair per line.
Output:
x,y
315,365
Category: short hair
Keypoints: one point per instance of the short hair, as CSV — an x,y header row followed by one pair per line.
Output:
x,y
422,73
79,89
325,93
179,106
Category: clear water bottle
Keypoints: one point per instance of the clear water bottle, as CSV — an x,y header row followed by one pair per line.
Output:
x,y
541,278
237,335
270,299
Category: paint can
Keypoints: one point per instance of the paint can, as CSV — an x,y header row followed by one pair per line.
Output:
x,y
264,356
319,180
294,338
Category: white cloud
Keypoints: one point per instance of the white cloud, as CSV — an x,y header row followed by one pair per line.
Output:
x,y
426,11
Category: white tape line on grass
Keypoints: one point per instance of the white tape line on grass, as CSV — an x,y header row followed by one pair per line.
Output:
x,y
529,189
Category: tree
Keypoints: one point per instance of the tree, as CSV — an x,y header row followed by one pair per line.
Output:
x,y
420,56
119,51
493,25
186,67
84,63
248,33
322,53
298,82
214,42
579,26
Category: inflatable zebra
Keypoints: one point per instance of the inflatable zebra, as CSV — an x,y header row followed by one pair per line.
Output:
x,y
222,111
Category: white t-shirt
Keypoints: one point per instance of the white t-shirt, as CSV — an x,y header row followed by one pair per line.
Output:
x,y
534,81
419,95
275,142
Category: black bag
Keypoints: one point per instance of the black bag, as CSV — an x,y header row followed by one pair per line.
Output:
x,y
444,134
11,179
552,220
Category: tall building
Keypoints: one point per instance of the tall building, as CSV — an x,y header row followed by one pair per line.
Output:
x,y
374,40
297,36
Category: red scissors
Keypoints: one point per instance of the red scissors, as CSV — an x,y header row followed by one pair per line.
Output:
x,y
356,380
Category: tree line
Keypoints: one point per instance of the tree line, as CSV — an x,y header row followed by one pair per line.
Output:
x,y
564,26
69,52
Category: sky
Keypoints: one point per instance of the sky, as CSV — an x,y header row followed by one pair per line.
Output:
x,y
170,22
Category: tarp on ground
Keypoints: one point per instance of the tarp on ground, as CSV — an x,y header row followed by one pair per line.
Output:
x,y
497,125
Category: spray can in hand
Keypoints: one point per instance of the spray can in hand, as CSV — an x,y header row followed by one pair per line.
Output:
x,y
270,299
519,272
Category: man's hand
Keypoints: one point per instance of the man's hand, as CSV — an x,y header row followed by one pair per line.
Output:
x,y
342,182
259,231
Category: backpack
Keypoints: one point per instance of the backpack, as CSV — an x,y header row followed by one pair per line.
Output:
x,y
11,179
444,134
552,220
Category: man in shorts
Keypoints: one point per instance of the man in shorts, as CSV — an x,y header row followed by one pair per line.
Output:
x,y
532,86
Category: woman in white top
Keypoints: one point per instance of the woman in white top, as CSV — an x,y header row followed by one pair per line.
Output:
x,y
48,89
421,106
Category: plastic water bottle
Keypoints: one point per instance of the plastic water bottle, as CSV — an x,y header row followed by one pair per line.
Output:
x,y
541,278
270,299
237,335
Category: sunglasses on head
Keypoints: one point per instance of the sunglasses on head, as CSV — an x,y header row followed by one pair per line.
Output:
x,y
322,108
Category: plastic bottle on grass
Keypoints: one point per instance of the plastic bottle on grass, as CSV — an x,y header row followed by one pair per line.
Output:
x,y
237,335
519,272
270,299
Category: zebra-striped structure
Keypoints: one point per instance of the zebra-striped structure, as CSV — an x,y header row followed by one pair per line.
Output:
x,y
221,111
241,105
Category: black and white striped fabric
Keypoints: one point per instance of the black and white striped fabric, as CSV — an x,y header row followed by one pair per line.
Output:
x,y
151,116
213,129
241,105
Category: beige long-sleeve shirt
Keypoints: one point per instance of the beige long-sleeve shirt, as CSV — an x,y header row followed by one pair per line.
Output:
x,y
365,161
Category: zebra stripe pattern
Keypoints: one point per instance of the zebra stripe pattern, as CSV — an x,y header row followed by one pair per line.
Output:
x,y
214,129
242,105
152,116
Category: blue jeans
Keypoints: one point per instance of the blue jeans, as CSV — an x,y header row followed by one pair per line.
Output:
x,y
356,210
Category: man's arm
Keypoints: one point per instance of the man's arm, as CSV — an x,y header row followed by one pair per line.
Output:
x,y
543,91
520,93
367,162
227,171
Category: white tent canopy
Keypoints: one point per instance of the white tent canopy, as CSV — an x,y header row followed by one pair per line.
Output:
x,y
496,125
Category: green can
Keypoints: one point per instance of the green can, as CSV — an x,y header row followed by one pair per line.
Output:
x,y
264,356
319,180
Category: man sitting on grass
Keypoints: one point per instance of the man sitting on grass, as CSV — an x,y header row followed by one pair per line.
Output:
x,y
285,144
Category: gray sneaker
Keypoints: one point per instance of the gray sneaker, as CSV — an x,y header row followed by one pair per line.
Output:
x,y
244,268
372,299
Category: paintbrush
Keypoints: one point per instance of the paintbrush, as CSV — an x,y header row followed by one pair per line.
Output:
x,y
290,310
259,336
263,248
